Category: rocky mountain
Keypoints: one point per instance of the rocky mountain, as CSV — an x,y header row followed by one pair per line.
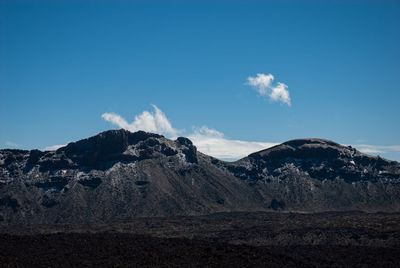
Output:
x,y
320,175
120,175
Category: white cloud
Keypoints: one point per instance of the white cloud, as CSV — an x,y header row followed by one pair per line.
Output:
x,y
213,142
12,144
263,85
262,82
53,147
155,122
207,140
377,149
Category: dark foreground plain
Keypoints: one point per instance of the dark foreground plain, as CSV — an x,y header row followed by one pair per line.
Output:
x,y
333,239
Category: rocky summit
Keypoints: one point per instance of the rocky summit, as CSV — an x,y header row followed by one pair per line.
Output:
x,y
118,175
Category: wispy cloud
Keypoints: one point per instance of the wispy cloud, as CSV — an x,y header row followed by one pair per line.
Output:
x,y
54,147
12,144
155,122
263,84
207,140
377,149
213,142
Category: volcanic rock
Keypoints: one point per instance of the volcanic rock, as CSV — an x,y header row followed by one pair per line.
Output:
x,y
121,175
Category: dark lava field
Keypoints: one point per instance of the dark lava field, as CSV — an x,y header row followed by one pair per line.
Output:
x,y
258,239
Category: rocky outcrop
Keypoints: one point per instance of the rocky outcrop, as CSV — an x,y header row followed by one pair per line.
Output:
x,y
119,175
115,175
320,159
318,175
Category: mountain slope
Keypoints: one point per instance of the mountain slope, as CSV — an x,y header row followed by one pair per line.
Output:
x,y
319,175
116,174
119,175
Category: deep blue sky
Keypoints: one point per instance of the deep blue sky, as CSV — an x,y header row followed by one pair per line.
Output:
x,y
65,63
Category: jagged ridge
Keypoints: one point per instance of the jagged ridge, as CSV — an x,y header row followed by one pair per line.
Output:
x,y
118,174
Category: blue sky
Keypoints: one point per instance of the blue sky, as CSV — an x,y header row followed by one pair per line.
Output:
x,y
64,64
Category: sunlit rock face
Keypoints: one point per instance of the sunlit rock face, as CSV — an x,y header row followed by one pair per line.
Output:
x,y
119,175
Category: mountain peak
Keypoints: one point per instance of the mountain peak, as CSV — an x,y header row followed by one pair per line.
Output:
x,y
300,142
105,149
110,141
307,148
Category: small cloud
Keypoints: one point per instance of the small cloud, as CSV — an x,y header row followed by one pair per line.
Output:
x,y
263,85
213,142
12,144
377,149
53,147
155,122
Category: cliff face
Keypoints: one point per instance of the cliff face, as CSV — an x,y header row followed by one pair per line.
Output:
x,y
119,175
